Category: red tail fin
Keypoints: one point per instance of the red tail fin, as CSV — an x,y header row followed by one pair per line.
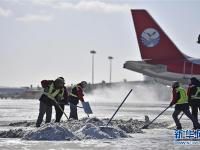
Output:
x,y
154,44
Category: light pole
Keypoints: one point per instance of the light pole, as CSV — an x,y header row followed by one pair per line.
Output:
x,y
110,59
92,52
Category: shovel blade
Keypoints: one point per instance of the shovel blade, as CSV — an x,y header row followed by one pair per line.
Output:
x,y
87,108
145,127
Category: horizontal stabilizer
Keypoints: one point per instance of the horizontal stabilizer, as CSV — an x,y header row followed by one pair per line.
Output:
x,y
141,65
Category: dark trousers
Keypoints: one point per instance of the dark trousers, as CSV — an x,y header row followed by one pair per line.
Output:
x,y
195,105
73,112
185,109
73,109
59,112
44,109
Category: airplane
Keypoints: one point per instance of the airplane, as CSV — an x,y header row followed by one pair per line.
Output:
x,y
161,59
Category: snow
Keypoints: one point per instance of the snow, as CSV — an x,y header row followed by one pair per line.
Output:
x,y
17,120
86,128
90,131
49,132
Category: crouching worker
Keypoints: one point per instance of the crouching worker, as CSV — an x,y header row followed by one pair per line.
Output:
x,y
180,99
47,99
61,101
74,97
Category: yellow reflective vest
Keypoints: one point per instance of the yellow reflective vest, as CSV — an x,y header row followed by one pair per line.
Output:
x,y
183,96
53,93
74,92
197,94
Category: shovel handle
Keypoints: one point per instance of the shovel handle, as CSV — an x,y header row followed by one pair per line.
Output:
x,y
146,126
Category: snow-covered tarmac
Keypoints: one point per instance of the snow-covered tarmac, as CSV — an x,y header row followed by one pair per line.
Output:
x,y
18,116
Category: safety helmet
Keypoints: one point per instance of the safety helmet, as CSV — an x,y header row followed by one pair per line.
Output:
x,y
83,84
175,84
59,83
62,79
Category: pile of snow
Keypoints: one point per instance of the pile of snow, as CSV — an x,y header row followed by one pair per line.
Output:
x,y
114,132
90,131
86,128
22,123
58,132
16,133
95,121
50,132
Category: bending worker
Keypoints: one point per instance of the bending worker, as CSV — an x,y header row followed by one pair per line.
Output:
x,y
61,100
180,99
47,99
194,96
74,97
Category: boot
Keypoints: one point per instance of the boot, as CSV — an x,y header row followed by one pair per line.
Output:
x,y
196,127
179,128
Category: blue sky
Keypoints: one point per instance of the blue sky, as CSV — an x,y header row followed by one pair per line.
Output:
x,y
44,39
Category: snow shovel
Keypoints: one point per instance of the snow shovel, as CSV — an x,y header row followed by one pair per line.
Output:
x,y
107,128
119,107
61,109
87,109
146,126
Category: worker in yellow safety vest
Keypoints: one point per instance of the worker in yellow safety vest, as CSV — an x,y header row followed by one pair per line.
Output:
x,y
52,89
74,97
194,96
180,99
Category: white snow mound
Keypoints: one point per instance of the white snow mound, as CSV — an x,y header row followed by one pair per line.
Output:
x,y
90,131
86,128
114,132
50,132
